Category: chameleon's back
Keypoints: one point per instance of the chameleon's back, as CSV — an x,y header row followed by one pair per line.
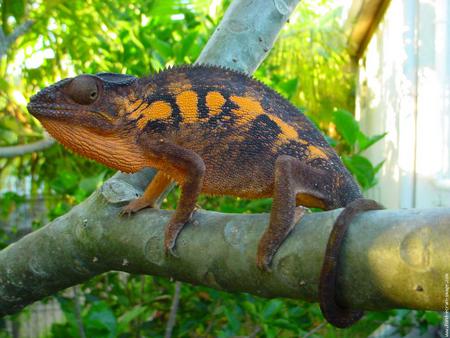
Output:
x,y
238,125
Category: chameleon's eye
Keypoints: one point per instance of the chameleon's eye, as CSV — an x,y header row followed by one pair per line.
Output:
x,y
83,89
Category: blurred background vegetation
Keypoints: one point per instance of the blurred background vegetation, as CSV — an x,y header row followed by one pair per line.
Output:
x,y
309,65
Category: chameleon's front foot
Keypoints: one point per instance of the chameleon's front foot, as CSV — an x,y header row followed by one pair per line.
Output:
x,y
134,206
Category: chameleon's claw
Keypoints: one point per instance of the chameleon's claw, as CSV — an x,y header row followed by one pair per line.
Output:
x,y
134,206
170,239
263,263
125,212
170,251
272,240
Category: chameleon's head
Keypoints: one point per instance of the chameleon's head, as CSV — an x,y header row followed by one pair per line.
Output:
x,y
86,114
88,101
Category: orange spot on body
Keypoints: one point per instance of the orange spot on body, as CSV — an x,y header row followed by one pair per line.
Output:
x,y
247,104
187,102
249,109
138,111
316,152
214,102
158,110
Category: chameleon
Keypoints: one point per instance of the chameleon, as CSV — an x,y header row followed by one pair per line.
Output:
x,y
211,130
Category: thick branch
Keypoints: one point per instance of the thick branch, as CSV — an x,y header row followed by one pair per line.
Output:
x,y
247,33
391,259
21,150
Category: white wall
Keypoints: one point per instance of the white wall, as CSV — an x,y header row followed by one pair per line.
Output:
x,y
403,88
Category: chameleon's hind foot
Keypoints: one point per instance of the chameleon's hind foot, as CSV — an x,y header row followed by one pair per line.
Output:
x,y
272,239
170,239
334,313
173,230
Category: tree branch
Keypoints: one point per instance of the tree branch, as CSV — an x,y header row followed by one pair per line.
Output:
x,y
7,41
173,310
247,33
391,259
20,150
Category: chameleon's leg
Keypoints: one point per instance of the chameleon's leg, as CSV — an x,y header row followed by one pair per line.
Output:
x,y
291,177
151,194
188,169
333,312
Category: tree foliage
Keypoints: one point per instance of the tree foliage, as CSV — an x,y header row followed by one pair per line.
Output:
x,y
309,65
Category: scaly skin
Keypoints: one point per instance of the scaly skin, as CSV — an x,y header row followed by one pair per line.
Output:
x,y
210,129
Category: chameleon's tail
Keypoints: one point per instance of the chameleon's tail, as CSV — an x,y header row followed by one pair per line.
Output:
x,y
334,313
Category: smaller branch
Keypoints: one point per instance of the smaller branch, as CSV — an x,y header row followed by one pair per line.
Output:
x,y
7,41
20,150
18,31
2,42
255,332
76,300
173,310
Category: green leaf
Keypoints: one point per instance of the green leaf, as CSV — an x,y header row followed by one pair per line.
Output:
x,y
65,182
130,315
362,169
89,184
377,168
68,308
163,48
100,321
346,125
187,44
366,142
433,318
272,308
260,205
15,8
289,87
8,137
234,323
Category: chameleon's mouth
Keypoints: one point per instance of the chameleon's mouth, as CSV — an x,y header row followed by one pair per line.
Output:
x,y
48,110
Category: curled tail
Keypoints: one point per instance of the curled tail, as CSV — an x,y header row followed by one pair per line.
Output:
x,y
333,312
